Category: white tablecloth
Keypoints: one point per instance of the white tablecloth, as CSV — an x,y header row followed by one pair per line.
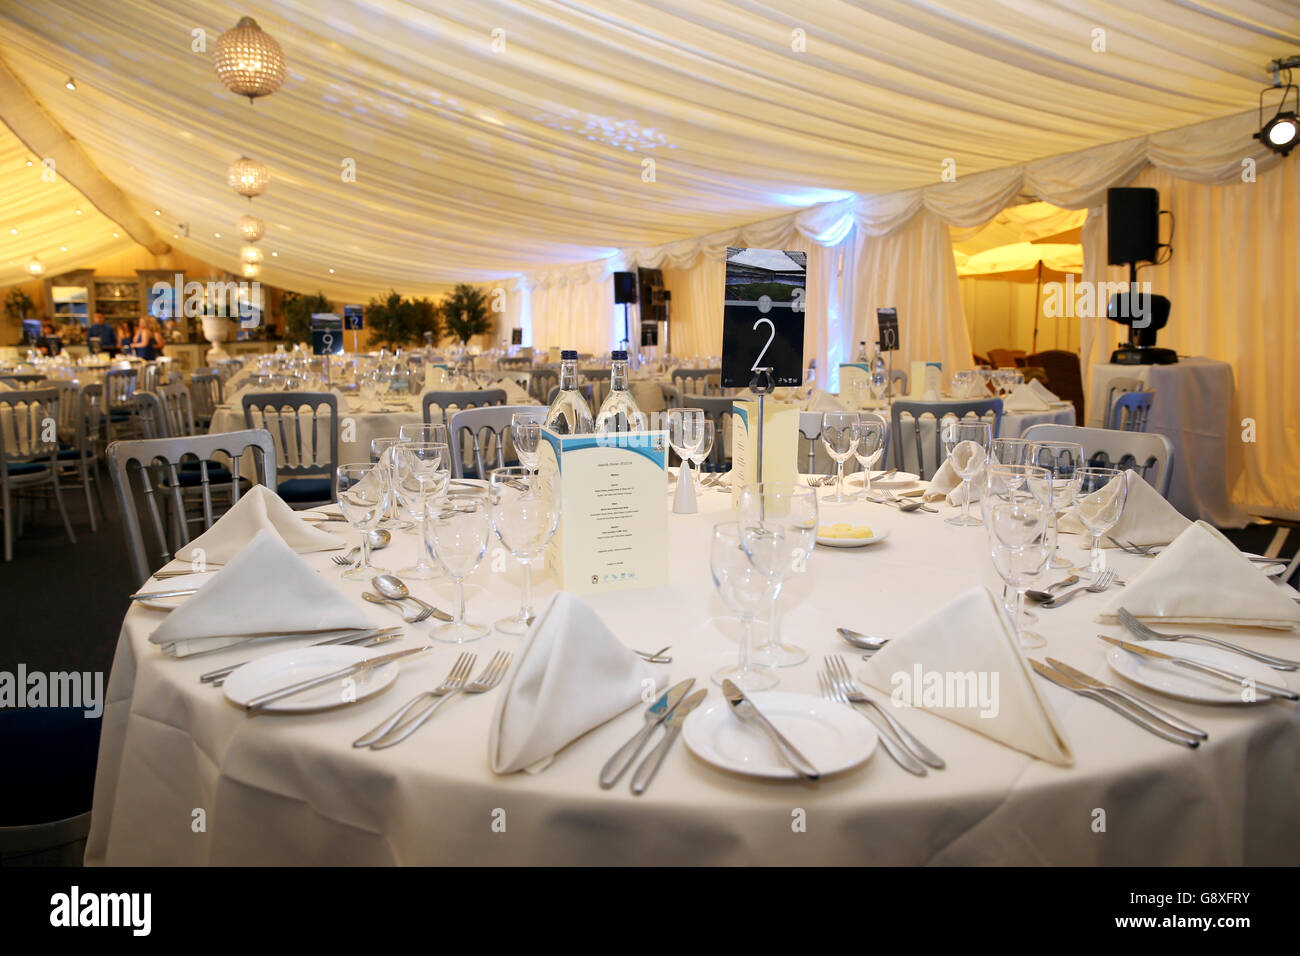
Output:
x,y
291,790
1194,408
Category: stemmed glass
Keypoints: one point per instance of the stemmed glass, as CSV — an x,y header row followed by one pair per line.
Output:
x,y
363,498
526,435
458,540
421,473
1019,546
871,445
524,511
743,566
705,446
967,446
1064,459
685,433
381,454
1099,503
1009,483
1009,451
788,514
424,432
366,388
840,435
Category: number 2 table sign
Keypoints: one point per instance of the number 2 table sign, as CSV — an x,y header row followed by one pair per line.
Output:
x,y
763,316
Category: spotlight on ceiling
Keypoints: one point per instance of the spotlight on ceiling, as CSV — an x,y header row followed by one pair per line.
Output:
x,y
71,84
35,267
1281,133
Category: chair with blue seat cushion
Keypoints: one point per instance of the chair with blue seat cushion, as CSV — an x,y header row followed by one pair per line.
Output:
x,y
485,430
79,427
119,389
1149,454
305,429
29,449
980,408
1130,411
146,470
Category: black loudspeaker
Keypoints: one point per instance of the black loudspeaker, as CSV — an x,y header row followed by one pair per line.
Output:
x,y
1132,225
625,288
649,334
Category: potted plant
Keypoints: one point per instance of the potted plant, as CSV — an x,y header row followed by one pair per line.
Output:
x,y
465,313
18,303
298,310
394,322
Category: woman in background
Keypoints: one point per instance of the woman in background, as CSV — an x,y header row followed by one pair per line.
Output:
x,y
148,342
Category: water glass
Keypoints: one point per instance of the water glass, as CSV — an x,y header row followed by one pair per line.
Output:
x,y
457,540
421,477
743,567
840,435
871,445
1063,459
1099,502
526,435
966,442
786,512
1019,546
524,511
363,497
685,433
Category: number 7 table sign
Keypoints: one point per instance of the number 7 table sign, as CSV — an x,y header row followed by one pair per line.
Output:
x,y
763,316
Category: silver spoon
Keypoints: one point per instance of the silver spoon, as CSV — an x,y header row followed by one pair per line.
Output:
x,y
391,586
401,608
1049,593
379,539
864,641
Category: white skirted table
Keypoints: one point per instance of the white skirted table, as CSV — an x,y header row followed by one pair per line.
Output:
x,y
286,789
1194,407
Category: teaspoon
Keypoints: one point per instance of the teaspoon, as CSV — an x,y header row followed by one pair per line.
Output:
x,y
391,586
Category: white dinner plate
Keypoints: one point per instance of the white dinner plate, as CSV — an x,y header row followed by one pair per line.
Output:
x,y
831,735
288,667
1174,681
1268,570
195,580
900,480
879,536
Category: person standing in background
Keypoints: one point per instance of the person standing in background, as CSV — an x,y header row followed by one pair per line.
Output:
x,y
103,331
148,342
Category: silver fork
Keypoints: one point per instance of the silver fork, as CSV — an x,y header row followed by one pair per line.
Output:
x,y
1141,630
1104,580
455,679
901,754
488,679
1128,547
839,672
346,560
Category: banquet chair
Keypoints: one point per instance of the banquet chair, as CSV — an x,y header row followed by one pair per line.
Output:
x,y
1005,358
810,430
541,381
1131,411
1148,453
29,449
227,369
719,409
694,381
672,395
22,379
520,362
147,379
119,387
1118,386
80,420
1064,376
980,408
134,465
205,395
476,398
165,412
305,429
898,379
487,431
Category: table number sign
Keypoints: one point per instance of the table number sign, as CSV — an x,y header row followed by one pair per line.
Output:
x,y
326,334
613,532
763,316
887,326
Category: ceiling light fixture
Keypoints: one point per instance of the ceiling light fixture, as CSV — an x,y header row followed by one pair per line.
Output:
x,y
35,267
248,177
71,85
1281,133
251,254
249,60
251,228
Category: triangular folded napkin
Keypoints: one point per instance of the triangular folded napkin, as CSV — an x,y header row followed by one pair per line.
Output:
x,y
514,394
964,663
821,401
572,675
1024,398
265,589
1042,391
1203,579
1147,517
257,509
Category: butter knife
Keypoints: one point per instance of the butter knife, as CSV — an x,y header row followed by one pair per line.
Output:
x,y
673,727
1124,710
1177,723
654,716
746,712
1273,690
365,664
350,638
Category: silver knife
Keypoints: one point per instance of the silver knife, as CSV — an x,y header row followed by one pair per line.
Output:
x,y
152,595
746,712
1177,723
656,714
672,728
339,639
1124,710
365,664
1272,690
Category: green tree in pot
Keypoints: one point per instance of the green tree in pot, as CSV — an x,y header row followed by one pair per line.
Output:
x,y
298,310
465,312
394,322
18,303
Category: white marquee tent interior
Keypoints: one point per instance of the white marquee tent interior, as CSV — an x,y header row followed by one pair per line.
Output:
x,y
542,145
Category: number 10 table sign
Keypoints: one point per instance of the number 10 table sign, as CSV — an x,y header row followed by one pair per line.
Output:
x,y
613,532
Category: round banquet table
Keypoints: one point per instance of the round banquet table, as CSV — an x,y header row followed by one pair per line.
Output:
x,y
290,789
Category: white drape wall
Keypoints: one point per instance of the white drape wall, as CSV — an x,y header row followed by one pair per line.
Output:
x,y
695,325
574,309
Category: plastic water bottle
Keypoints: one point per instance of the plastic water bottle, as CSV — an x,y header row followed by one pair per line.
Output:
x,y
619,411
569,413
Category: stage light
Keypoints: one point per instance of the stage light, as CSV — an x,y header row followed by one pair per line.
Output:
x,y
1282,132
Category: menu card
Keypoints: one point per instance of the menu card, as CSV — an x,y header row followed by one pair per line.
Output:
x,y
613,532
780,443
851,372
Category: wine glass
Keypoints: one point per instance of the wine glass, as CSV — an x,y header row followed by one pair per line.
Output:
x,y
1019,546
961,384
1099,502
363,497
966,442
526,435
422,472
1008,483
367,387
685,432
879,386
742,566
381,454
840,435
457,540
705,446
1009,451
524,514
424,432
871,445
787,512
1063,459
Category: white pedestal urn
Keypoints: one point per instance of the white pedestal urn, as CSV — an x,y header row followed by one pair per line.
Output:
x,y
216,329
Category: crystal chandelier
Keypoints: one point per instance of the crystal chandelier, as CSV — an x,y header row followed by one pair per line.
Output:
x,y
251,228
35,267
248,177
249,61
251,270
251,255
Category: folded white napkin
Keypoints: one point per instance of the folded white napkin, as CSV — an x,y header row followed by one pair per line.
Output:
x,y
1023,398
1147,517
1203,579
964,663
824,402
572,675
514,394
257,509
931,395
265,589
1042,391
946,483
